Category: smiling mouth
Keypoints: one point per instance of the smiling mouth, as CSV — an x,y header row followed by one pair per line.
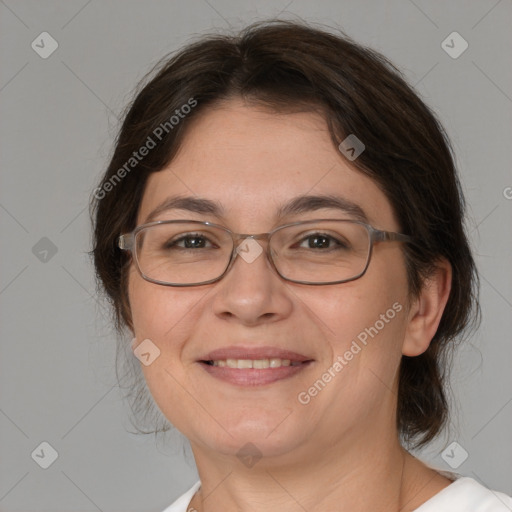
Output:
x,y
258,364
254,372
244,366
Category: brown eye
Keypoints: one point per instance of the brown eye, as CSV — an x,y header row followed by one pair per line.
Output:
x,y
189,241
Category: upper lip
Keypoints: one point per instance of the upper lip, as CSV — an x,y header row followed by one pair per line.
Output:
x,y
254,353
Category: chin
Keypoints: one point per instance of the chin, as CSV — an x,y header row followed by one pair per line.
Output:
x,y
253,438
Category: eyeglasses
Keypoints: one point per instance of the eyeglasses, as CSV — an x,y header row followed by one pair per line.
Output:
x,y
313,252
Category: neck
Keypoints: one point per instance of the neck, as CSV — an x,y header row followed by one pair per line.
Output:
x,y
365,476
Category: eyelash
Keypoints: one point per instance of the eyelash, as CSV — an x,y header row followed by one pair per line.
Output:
x,y
170,244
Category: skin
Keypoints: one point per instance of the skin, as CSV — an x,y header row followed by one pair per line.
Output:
x,y
341,450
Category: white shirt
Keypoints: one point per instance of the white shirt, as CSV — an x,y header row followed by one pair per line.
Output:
x,y
463,495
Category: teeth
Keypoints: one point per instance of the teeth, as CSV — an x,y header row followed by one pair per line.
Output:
x,y
261,363
274,362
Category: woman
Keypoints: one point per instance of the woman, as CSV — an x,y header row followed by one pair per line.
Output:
x,y
281,229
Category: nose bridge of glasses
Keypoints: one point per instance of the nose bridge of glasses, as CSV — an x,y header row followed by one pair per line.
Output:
x,y
253,240
255,236
250,246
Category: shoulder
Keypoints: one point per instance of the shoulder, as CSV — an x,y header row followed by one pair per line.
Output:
x,y
182,503
467,495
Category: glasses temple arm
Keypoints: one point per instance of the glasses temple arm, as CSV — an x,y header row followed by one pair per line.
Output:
x,y
383,236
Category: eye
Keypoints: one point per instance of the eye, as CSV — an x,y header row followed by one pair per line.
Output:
x,y
190,241
321,241
317,242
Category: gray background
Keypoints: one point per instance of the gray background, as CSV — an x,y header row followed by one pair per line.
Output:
x,y
58,118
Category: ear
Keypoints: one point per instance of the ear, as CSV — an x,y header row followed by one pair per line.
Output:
x,y
426,310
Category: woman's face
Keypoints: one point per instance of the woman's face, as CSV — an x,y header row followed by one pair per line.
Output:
x,y
252,163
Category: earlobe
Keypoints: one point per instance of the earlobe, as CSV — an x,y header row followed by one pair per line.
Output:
x,y
427,309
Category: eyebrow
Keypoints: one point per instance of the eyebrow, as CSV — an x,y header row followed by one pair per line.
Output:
x,y
298,205
304,204
188,203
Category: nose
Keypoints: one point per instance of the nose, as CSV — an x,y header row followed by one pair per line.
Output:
x,y
252,292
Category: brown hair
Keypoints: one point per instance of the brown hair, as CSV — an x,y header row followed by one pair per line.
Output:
x,y
291,66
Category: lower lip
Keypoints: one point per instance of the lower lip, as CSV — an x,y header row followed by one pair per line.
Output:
x,y
252,376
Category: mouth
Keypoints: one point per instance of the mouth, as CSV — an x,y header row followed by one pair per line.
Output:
x,y
259,364
253,367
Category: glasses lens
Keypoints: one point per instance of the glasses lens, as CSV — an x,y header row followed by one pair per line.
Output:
x,y
321,252
183,253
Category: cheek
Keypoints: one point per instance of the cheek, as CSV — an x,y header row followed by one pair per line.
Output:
x,y
167,317
370,311
156,310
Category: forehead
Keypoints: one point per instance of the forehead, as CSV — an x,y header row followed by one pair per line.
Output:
x,y
253,161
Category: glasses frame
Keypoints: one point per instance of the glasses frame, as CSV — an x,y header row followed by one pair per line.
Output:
x,y
126,242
